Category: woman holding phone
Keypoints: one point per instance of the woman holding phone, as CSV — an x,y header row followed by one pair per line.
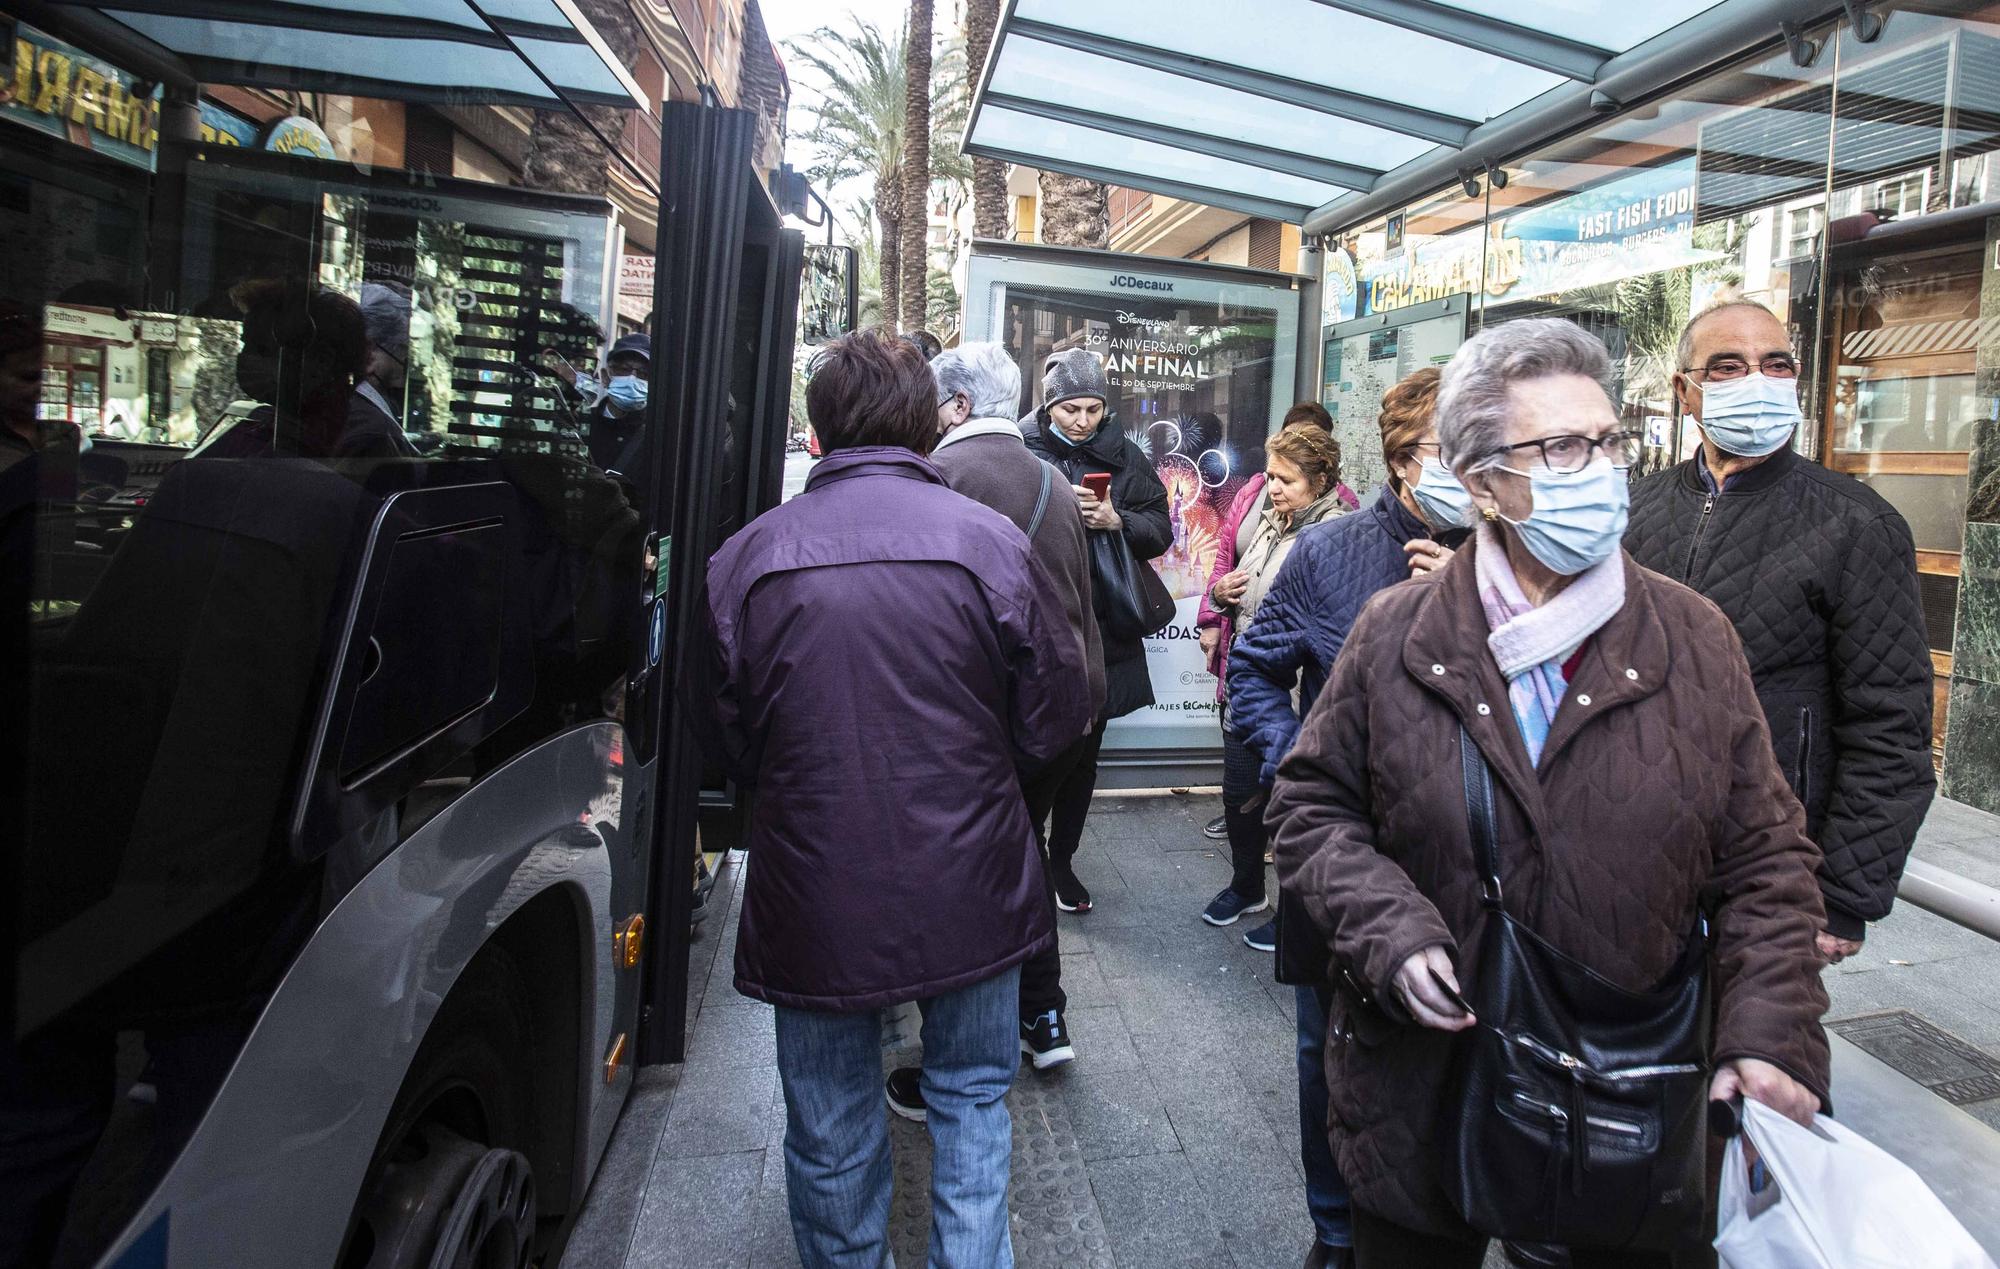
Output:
x,y
1117,491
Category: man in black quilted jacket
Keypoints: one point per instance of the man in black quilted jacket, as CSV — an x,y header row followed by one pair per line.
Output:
x,y
1819,576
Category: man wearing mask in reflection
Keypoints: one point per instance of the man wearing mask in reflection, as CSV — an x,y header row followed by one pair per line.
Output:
x,y
375,413
1818,574
617,422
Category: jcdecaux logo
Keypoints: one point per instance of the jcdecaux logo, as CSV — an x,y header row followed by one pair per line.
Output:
x,y
1127,282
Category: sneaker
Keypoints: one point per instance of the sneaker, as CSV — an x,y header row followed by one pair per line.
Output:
x,y
1046,1040
1263,939
1217,829
1070,894
1227,906
906,1093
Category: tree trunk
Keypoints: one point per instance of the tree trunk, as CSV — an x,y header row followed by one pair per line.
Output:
x,y
916,221
889,249
1075,212
989,176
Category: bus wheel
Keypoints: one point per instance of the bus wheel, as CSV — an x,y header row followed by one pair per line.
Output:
x,y
443,1202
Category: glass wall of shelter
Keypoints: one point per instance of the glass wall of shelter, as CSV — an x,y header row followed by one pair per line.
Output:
x,y
1857,196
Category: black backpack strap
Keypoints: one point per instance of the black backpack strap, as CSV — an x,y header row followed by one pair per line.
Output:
x,y
1041,504
1479,818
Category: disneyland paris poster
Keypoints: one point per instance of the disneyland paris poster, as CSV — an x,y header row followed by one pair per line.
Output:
x,y
1191,383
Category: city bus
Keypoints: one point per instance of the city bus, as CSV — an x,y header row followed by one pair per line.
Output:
x,y
352,814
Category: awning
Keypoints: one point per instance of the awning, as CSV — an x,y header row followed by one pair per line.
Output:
x,y
1327,112
537,53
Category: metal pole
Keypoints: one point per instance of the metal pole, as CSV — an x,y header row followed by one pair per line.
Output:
x,y
1718,35
1955,898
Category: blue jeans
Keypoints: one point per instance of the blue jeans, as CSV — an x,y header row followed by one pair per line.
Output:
x,y
837,1134
1326,1192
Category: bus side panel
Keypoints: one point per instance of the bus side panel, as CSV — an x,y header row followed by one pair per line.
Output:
x,y
271,1175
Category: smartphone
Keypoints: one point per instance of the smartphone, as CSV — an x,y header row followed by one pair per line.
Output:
x,y
1099,483
1451,994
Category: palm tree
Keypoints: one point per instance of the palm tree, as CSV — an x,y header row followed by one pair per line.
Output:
x,y
989,176
1075,212
857,129
915,246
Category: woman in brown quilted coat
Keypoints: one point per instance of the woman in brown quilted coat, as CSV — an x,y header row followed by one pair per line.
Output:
x,y
1632,770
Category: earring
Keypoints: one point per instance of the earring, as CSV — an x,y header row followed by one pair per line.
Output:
x,y
1489,515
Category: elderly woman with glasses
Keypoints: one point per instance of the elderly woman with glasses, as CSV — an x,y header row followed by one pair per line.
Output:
x,y
1633,784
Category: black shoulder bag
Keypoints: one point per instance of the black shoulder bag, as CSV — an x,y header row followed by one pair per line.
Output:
x,y
1575,1110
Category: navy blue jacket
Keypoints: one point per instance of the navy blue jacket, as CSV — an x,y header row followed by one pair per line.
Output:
x,y
1333,571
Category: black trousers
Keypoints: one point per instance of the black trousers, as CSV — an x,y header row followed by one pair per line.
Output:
x,y
1240,766
1071,804
1381,1244
1041,974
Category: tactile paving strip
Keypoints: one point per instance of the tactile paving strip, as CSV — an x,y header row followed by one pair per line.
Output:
x,y
1935,1058
1049,1201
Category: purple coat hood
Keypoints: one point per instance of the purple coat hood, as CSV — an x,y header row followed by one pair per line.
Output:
x,y
888,656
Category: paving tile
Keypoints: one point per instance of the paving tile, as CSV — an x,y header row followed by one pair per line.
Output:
x,y
773,1246
1102,1043
1212,1110
1154,1212
1987,1112
725,1112
1117,1116
733,1033
1083,979
1126,952
603,1229
1258,1202
696,1212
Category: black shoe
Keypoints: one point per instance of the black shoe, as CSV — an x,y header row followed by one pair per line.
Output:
x,y
1217,829
1536,1255
1263,939
1225,908
905,1091
1070,894
1045,1039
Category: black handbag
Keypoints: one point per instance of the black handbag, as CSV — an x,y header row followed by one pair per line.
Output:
x,y
1576,1109
1132,602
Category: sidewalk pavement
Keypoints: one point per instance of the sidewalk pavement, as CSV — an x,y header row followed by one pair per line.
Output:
x,y
1173,1139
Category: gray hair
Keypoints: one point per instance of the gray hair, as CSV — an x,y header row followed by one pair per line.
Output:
x,y
1473,402
1684,353
985,374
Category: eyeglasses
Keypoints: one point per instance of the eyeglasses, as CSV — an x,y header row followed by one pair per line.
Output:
x,y
1775,366
1565,455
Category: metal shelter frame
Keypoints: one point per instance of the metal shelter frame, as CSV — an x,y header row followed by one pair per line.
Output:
x,y
1072,122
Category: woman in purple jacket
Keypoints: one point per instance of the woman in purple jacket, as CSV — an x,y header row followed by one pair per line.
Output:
x,y
887,659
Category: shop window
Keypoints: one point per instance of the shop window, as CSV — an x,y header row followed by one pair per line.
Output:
x,y
1802,226
1904,196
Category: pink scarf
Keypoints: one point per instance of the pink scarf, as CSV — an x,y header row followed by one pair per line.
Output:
x,y
1532,646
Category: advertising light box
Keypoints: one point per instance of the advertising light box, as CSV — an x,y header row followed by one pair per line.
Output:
x,y
1201,361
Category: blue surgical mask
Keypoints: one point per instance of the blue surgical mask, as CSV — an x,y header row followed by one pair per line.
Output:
x,y
1752,416
1579,517
1441,500
627,392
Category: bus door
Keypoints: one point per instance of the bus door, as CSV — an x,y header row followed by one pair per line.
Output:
x,y
726,297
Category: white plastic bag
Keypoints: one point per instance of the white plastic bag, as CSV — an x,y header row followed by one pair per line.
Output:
x,y
1834,1201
